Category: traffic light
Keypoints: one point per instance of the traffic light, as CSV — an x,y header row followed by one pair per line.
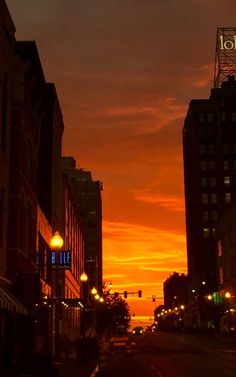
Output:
x,y
140,293
125,294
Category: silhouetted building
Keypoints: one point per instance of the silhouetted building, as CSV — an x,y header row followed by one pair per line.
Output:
x,y
74,242
88,200
50,151
209,144
9,307
175,291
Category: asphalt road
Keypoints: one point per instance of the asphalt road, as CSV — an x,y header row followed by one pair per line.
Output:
x,y
176,355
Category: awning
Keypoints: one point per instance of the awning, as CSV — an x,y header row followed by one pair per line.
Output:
x,y
9,302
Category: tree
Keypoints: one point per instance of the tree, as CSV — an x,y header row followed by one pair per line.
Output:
x,y
112,314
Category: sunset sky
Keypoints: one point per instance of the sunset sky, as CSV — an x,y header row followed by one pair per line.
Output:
x,y
125,71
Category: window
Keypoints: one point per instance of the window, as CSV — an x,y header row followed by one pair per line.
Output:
x,y
226,165
205,216
212,165
213,232
201,117
214,215
212,182
213,198
227,181
202,149
211,149
223,117
227,197
221,275
225,149
203,182
206,232
204,198
219,248
203,165
210,117
233,117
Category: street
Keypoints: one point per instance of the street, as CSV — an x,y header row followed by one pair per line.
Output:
x,y
166,354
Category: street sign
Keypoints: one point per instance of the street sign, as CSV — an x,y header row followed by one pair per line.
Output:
x,y
61,258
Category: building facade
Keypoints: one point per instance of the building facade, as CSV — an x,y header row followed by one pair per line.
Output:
x,y
226,268
88,200
209,145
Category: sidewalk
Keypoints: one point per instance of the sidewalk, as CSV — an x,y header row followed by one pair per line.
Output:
x,y
71,368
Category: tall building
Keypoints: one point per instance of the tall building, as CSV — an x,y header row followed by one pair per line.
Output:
x,y
88,199
175,290
209,146
8,307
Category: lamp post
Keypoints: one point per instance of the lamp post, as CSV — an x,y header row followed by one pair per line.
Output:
x,y
56,245
84,294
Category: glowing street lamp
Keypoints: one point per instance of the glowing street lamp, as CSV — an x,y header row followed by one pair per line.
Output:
x,y
56,245
83,277
97,297
94,291
56,241
227,294
101,299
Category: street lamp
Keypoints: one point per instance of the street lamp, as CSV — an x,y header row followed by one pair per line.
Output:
x,y
83,277
94,291
56,245
56,241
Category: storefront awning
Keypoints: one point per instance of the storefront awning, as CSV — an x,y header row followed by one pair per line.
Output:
x,y
9,302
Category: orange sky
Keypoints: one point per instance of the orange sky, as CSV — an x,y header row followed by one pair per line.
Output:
x,y
125,71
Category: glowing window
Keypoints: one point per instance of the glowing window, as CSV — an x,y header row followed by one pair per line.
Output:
x,y
206,232
205,215
227,181
227,197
